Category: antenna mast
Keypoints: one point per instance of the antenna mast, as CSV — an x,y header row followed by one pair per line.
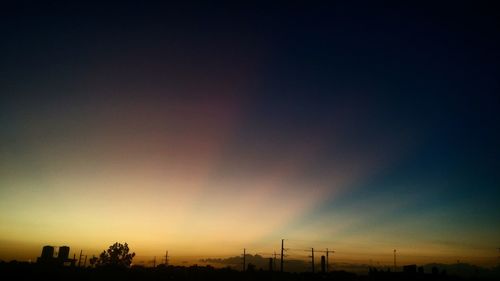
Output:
x,y
394,260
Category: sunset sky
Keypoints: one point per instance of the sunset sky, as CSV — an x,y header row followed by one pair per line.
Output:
x,y
204,129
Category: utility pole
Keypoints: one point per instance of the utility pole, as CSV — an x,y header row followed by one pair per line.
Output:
x,y
166,258
244,255
327,269
327,252
85,261
312,259
80,258
282,244
498,257
394,260
274,261
326,259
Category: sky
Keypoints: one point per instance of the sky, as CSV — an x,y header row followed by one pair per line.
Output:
x,y
206,128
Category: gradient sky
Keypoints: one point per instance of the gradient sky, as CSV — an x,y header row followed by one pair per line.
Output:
x,y
207,128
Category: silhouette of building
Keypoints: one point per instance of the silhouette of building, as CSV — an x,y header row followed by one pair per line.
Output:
x,y
63,253
47,257
47,253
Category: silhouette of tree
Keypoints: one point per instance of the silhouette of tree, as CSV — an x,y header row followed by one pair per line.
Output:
x,y
116,256
250,267
93,261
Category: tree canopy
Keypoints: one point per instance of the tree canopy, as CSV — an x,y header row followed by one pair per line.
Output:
x,y
116,256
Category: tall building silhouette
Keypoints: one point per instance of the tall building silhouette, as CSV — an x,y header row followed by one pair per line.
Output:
x,y
63,253
47,253
47,257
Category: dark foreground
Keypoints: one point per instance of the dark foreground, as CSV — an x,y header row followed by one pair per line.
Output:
x,y
30,271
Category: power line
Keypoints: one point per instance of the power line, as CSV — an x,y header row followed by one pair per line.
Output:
x,y
299,250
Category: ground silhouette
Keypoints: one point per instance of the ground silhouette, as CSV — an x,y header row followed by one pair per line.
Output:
x,y
31,271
